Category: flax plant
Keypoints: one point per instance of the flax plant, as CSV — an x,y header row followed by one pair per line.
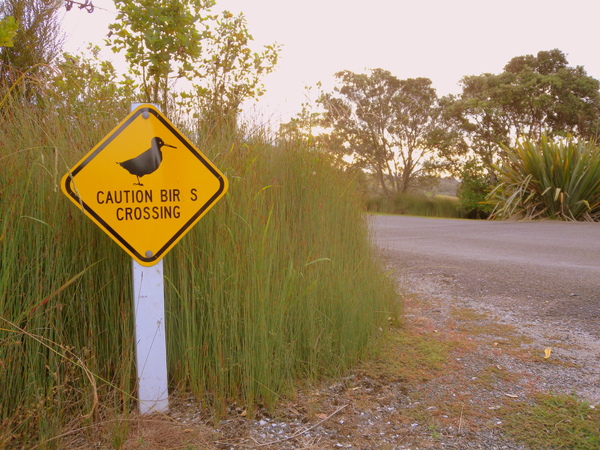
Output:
x,y
548,179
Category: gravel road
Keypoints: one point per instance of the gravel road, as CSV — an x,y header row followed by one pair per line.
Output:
x,y
542,276
548,270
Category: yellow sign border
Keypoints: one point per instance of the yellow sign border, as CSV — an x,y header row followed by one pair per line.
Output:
x,y
69,189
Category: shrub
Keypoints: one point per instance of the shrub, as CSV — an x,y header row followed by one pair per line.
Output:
x,y
547,179
472,191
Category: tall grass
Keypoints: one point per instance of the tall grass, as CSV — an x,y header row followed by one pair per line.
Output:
x,y
283,281
277,283
416,205
64,293
556,180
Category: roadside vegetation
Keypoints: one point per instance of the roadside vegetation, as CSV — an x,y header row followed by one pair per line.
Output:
x,y
402,135
279,283
413,204
550,180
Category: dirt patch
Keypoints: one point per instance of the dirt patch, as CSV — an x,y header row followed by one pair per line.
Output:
x,y
538,321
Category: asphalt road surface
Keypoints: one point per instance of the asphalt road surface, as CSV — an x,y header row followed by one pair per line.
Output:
x,y
544,270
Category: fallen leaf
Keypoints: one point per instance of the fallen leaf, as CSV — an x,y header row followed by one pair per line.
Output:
x,y
322,416
547,353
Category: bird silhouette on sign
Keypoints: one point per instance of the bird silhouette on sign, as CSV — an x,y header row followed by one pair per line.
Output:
x,y
146,162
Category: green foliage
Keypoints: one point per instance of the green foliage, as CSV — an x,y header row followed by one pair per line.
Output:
x,y
401,133
230,72
81,81
278,282
37,39
534,95
159,38
170,40
8,31
472,192
415,205
384,123
551,179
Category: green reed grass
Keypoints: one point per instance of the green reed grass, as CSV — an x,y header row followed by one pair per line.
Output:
x,y
284,282
277,283
416,205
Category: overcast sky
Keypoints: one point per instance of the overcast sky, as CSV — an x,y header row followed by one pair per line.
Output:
x,y
439,39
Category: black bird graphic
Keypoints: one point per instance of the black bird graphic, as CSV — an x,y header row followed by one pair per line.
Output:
x,y
146,162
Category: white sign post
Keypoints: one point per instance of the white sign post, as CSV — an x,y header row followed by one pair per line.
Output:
x,y
150,337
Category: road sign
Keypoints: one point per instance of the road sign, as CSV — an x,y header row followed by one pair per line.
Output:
x,y
145,185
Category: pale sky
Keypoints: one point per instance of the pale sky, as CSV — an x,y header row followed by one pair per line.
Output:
x,y
438,39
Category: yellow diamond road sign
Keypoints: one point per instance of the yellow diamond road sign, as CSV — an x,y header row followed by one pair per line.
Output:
x,y
145,185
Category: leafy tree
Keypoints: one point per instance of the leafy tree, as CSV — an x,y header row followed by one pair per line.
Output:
x,y
230,71
416,113
168,40
359,112
532,96
162,41
301,128
37,40
84,80
385,124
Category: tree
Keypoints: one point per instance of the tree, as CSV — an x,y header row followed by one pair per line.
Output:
x,y
84,80
359,114
37,40
168,40
230,72
415,118
534,95
385,124
162,41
